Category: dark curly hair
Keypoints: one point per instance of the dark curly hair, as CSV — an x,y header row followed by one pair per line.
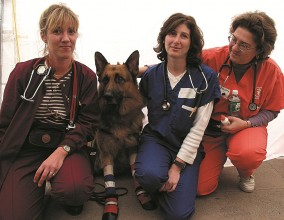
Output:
x,y
196,36
261,26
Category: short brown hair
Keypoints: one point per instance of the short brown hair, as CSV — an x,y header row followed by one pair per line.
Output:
x,y
261,26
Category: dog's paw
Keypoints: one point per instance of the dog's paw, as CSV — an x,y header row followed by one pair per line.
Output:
x,y
109,216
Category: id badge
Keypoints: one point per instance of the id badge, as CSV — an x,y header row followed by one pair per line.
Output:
x,y
224,92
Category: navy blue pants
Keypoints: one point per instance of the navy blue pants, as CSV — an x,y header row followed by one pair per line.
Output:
x,y
151,169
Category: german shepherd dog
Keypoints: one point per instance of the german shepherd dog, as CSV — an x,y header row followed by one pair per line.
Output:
x,y
120,123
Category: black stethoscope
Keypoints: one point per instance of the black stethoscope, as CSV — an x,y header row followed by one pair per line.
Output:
x,y
165,104
44,70
252,105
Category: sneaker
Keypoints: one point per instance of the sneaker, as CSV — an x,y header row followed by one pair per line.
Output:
x,y
247,184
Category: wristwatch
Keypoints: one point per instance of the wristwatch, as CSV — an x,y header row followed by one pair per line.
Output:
x,y
180,165
66,148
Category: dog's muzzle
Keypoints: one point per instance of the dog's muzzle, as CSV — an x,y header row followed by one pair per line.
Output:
x,y
112,98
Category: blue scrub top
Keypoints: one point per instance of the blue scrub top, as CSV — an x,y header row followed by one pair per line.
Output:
x,y
171,127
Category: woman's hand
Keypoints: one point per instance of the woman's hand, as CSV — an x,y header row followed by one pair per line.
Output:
x,y
171,184
236,124
142,70
50,166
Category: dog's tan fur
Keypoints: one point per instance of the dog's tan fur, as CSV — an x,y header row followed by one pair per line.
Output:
x,y
120,111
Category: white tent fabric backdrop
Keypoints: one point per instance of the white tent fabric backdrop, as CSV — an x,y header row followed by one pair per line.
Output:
x,y
117,28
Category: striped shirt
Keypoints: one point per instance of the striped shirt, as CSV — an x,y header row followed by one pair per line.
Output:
x,y
52,109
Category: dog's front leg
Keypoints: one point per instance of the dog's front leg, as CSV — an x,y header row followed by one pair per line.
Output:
x,y
109,179
111,202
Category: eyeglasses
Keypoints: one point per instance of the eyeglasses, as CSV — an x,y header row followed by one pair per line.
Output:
x,y
242,45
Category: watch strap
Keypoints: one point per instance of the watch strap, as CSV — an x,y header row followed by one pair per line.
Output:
x,y
179,164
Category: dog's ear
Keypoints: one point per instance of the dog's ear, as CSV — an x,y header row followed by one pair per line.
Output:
x,y
132,63
100,62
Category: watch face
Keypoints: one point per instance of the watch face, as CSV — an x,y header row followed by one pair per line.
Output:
x,y
66,148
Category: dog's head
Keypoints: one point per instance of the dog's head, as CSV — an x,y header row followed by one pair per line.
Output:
x,y
117,83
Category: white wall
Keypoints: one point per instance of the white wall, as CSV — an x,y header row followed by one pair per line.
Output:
x,y
116,28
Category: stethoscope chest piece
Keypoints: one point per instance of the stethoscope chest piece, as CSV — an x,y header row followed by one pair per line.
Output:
x,y
252,106
41,69
166,105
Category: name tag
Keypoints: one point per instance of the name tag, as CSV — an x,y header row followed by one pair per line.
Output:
x,y
224,92
187,93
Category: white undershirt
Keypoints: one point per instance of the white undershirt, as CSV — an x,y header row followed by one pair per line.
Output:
x,y
192,141
174,79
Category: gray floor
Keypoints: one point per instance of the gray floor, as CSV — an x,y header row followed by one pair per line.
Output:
x,y
227,203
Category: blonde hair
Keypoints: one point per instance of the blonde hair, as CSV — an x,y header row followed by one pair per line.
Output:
x,y
56,16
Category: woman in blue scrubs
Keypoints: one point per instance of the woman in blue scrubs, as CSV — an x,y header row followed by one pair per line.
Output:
x,y
180,93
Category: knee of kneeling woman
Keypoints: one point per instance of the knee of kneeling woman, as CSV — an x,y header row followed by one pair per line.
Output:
x,y
206,189
73,194
248,159
179,215
150,181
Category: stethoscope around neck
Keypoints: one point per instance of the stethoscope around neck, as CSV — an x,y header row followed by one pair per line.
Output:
x,y
252,105
42,69
165,104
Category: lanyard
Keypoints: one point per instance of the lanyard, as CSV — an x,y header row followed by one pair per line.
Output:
x,y
74,99
73,104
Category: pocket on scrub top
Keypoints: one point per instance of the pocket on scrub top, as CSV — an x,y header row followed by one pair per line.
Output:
x,y
182,120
